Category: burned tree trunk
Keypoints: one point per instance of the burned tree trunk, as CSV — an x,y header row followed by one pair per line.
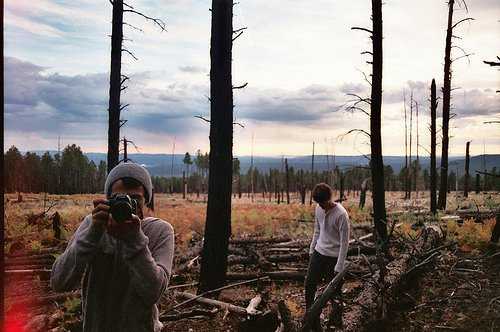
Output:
x,y
362,195
302,188
377,164
115,80
218,222
410,169
478,183
467,163
406,184
341,187
443,186
287,182
184,185
495,233
312,176
433,147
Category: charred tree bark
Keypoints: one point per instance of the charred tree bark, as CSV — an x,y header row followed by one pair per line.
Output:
x,y
495,234
287,182
377,164
410,169
362,195
467,176
341,187
478,183
406,184
125,151
433,147
115,85
443,186
302,188
218,222
184,185
312,176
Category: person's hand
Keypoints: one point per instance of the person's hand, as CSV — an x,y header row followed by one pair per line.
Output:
x,y
100,214
125,229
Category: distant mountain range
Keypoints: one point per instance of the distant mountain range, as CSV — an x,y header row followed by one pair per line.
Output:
x,y
161,164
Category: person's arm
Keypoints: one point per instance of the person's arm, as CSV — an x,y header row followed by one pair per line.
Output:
x,y
345,230
316,232
68,268
150,269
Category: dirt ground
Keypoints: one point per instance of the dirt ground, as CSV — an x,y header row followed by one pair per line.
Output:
x,y
460,291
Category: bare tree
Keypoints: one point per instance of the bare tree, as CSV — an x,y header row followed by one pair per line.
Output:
x,y
467,162
116,79
312,176
376,161
433,147
218,220
443,187
115,82
375,135
287,182
406,184
410,170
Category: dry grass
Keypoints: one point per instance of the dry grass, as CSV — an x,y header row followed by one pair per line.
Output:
x,y
258,218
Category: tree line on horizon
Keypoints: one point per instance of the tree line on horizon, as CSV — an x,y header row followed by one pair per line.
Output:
x,y
71,172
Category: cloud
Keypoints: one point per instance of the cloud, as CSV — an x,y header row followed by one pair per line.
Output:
x,y
192,69
46,105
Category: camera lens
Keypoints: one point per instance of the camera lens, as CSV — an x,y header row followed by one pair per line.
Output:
x,y
121,211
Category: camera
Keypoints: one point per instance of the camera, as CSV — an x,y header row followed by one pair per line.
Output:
x,y
121,207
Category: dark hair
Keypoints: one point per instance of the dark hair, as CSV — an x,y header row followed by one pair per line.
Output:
x,y
322,192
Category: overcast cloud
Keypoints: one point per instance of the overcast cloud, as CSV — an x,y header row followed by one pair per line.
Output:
x,y
300,61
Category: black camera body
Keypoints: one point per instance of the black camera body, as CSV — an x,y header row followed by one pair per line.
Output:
x,y
121,207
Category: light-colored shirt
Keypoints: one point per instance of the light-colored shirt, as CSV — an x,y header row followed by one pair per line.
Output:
x,y
331,234
122,279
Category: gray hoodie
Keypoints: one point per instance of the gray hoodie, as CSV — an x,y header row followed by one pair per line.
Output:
x,y
122,279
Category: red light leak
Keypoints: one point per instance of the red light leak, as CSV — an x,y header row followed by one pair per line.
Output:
x,y
16,317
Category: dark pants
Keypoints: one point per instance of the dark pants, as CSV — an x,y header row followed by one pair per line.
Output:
x,y
320,267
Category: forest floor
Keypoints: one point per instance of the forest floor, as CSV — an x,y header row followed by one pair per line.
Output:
x,y
460,291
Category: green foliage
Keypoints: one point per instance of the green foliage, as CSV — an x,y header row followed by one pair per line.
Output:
x,y
68,173
72,305
35,245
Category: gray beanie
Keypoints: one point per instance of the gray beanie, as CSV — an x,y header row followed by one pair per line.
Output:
x,y
129,170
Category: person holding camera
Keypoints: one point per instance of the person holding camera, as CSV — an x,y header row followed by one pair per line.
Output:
x,y
124,258
328,249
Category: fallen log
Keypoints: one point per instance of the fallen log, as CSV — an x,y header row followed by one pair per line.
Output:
x,y
313,313
254,303
274,275
189,314
366,307
478,216
42,300
29,267
256,240
195,298
44,272
294,257
52,250
293,244
30,261
219,304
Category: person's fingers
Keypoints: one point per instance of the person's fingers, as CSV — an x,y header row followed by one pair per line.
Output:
x,y
103,207
100,208
100,217
98,201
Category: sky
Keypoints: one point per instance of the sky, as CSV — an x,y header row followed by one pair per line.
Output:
x,y
300,59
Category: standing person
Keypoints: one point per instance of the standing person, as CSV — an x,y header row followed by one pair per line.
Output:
x,y
126,265
329,246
